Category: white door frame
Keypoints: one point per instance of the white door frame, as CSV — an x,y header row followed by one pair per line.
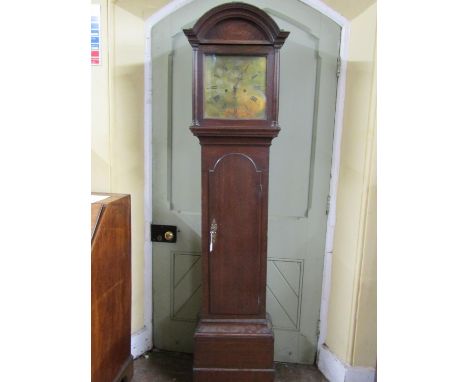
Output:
x,y
143,340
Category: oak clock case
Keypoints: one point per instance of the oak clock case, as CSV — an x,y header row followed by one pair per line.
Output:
x,y
235,106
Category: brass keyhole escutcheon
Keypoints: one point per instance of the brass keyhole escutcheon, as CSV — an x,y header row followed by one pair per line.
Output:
x,y
168,235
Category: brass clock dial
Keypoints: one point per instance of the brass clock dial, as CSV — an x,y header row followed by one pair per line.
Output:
x,y
234,87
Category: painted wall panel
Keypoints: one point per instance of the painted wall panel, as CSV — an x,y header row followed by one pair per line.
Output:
x,y
348,271
100,158
126,137
365,344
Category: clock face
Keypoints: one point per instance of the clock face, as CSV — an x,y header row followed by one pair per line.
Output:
x,y
234,87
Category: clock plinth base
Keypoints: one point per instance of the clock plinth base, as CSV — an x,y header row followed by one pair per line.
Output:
x,y
238,350
224,375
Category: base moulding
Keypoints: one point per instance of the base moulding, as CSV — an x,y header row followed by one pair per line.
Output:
x,y
335,370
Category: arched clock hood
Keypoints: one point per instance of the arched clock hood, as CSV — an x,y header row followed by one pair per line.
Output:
x,y
237,24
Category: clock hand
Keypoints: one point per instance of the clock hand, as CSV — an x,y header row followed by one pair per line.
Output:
x,y
235,98
235,87
241,77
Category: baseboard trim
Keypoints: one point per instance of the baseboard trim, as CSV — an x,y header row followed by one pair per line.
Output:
x,y
141,342
335,370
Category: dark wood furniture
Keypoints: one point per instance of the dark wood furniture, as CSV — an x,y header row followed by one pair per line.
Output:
x,y
111,360
234,340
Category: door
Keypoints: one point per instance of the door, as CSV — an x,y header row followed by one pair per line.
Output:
x,y
234,286
300,165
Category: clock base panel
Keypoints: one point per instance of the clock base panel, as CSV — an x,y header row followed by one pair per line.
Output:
x,y
234,350
224,375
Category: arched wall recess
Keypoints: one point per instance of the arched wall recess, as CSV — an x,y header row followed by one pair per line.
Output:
x,y
145,336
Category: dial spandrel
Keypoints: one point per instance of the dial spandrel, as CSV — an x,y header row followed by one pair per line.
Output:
x,y
234,87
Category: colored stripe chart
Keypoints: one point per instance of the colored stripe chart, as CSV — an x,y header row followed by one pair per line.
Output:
x,y
95,34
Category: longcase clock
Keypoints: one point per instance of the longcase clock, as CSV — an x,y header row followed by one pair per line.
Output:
x,y
235,113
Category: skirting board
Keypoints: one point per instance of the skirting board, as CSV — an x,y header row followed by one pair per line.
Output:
x,y
141,342
335,370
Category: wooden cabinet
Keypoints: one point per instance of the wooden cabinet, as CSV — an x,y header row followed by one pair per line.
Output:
x,y
235,103
111,360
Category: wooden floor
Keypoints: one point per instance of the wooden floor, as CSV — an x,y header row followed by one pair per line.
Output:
x,y
177,367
